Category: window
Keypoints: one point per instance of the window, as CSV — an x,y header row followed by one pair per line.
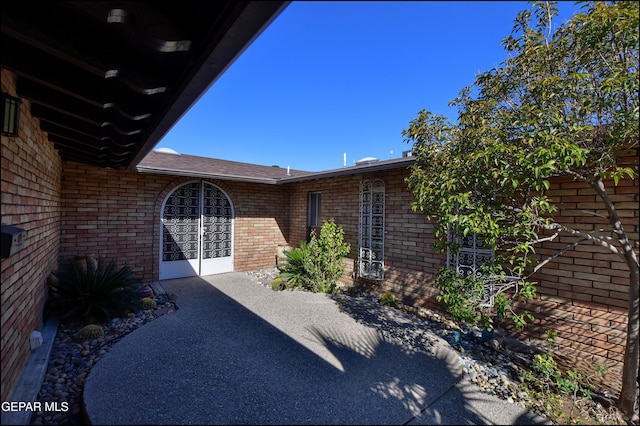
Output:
x,y
10,115
472,256
371,230
313,214
469,260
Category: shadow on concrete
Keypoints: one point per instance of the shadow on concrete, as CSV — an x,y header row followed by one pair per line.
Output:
x,y
462,403
238,353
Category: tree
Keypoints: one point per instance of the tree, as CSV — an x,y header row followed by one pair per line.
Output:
x,y
563,103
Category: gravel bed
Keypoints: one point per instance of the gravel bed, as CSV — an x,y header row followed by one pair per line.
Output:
x,y
71,361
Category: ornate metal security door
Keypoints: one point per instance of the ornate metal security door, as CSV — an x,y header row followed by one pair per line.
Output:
x,y
217,231
197,232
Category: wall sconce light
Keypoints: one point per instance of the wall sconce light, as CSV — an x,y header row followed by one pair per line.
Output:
x,y
10,115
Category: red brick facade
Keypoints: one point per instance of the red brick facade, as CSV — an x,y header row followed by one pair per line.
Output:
x,y
115,214
583,294
70,209
30,201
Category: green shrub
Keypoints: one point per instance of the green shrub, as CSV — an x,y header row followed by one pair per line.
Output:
x,y
94,292
459,295
388,299
546,383
463,297
317,266
147,303
89,332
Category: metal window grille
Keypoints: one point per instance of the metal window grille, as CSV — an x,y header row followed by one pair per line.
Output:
x,y
371,230
313,215
10,115
469,260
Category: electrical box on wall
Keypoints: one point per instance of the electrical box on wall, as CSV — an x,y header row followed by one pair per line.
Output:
x,y
12,240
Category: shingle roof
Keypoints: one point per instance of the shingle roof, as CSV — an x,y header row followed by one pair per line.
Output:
x,y
373,166
190,165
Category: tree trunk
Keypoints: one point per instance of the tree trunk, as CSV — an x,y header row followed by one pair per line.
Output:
x,y
628,400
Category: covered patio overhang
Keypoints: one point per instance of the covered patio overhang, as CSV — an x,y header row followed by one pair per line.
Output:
x,y
108,79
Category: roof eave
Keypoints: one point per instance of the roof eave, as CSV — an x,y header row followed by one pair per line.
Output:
x,y
244,32
235,178
366,168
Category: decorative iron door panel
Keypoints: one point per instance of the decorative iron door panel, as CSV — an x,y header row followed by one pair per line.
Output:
x,y
181,224
197,232
217,231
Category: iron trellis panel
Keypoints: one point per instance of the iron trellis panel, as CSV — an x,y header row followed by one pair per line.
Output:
x,y
371,230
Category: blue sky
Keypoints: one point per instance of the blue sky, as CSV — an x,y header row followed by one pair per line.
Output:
x,y
328,78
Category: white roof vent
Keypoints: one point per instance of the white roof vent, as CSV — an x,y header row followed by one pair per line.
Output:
x,y
166,151
366,160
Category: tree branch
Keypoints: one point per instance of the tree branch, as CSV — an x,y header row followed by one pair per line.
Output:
x,y
553,256
543,240
595,214
586,236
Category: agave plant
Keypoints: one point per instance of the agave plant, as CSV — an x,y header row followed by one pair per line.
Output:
x,y
294,269
93,292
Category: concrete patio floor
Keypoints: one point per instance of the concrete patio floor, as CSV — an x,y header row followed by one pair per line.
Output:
x,y
239,353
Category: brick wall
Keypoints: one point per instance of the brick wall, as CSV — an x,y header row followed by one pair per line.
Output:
x,y
337,202
409,246
115,214
111,214
261,225
583,294
31,201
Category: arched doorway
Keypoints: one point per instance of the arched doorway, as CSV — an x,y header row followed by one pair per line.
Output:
x,y
197,231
